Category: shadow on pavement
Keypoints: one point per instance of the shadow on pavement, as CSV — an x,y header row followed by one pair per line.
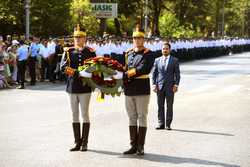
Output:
x,y
165,158
180,160
104,152
203,132
47,86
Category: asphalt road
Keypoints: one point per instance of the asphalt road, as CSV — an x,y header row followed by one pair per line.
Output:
x,y
210,127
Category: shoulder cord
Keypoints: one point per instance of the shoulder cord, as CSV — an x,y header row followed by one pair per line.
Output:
x,y
126,62
68,59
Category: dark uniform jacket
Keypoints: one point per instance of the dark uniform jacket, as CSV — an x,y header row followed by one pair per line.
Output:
x,y
141,63
74,58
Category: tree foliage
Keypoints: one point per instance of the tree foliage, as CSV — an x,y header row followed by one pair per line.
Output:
x,y
49,17
173,18
80,12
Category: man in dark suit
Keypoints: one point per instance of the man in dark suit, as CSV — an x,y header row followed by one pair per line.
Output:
x,y
166,78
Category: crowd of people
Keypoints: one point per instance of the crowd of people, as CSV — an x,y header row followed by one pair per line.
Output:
x,y
34,60
39,59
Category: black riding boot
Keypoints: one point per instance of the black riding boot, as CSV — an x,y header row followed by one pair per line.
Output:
x,y
141,140
85,136
133,140
77,136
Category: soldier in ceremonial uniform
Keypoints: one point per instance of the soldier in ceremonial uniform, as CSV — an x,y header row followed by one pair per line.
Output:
x,y
138,62
79,94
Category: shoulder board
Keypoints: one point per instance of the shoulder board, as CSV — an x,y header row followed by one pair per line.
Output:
x,y
67,49
90,49
146,50
129,50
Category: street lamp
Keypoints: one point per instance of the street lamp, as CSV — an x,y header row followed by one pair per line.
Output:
x,y
27,19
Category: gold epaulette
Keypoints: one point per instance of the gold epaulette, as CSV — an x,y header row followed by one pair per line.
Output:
x,y
145,76
129,50
146,50
66,49
91,49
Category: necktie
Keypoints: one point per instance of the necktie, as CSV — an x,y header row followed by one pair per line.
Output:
x,y
165,62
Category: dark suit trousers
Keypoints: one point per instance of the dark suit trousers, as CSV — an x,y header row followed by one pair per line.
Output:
x,y
44,69
163,96
21,71
32,69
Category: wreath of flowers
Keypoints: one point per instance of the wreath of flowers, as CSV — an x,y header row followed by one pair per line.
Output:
x,y
104,74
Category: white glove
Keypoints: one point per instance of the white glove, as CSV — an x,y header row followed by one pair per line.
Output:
x,y
107,79
118,75
85,74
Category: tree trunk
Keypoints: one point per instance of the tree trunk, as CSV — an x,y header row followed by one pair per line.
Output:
x,y
103,26
156,31
157,12
248,22
118,27
182,11
217,18
247,18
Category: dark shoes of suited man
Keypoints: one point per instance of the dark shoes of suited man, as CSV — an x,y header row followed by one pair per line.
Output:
x,y
160,127
20,87
168,128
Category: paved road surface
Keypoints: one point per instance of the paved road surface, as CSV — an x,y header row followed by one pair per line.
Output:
x,y
211,126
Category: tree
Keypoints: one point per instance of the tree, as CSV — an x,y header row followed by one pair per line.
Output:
x,y
170,27
81,14
12,17
126,11
50,18
157,6
236,17
178,18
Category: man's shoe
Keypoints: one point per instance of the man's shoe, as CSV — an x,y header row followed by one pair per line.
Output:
x,y
169,128
140,151
160,127
20,87
132,150
84,148
76,148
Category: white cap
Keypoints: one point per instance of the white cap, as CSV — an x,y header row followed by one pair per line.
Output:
x,y
15,42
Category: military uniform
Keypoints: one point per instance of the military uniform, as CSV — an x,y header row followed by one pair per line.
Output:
x,y
79,94
74,58
137,65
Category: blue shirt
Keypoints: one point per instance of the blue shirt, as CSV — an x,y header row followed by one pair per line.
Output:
x,y
22,53
34,48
